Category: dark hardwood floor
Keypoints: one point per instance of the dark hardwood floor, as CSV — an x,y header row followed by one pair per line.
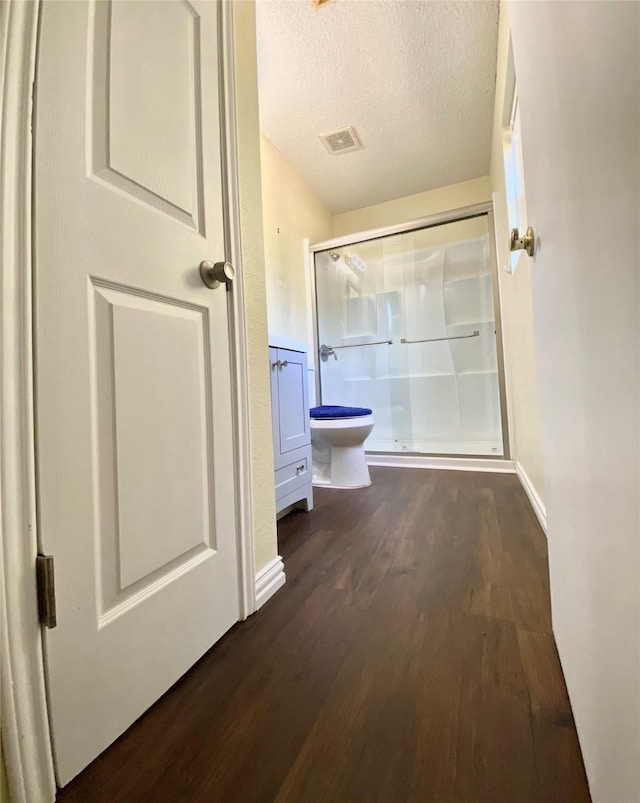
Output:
x,y
409,657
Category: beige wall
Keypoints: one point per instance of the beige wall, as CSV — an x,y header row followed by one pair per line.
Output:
x,y
264,519
291,212
400,210
516,305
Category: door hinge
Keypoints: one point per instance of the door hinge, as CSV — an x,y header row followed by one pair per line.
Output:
x,y
33,105
46,590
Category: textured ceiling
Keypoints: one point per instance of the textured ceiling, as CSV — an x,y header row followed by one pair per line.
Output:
x,y
414,77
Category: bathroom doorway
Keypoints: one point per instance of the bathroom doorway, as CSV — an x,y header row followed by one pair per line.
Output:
x,y
407,322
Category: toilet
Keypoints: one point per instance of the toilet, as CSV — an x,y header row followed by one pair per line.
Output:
x,y
337,441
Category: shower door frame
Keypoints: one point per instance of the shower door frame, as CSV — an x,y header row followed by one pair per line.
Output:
x,y
430,221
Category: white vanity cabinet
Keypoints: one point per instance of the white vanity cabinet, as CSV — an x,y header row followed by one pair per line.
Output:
x,y
291,429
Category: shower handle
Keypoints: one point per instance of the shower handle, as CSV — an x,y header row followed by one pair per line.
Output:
x,y
326,352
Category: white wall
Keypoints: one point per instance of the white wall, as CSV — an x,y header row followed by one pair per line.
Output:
x,y
578,72
291,212
515,302
400,210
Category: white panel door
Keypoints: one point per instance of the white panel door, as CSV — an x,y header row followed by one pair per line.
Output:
x,y
133,388
578,77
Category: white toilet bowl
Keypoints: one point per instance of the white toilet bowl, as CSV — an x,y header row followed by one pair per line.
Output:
x,y
338,451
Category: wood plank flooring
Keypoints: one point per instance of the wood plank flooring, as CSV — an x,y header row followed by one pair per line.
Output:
x,y
409,657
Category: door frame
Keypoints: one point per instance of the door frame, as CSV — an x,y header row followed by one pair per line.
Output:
x,y
26,737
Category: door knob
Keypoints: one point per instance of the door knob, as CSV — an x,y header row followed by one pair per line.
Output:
x,y
214,274
526,243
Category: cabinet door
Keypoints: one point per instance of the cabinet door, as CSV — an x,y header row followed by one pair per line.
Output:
x,y
293,401
275,405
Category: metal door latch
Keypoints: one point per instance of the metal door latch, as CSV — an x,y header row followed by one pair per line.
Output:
x,y
45,582
526,243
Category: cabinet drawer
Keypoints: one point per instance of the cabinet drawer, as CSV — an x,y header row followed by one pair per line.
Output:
x,y
293,476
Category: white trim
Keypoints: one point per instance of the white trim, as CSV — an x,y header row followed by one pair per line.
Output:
x,y
509,88
448,463
536,503
25,728
312,318
309,283
497,205
497,314
448,216
269,580
246,565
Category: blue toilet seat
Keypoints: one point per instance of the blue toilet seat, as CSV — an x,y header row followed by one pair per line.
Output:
x,y
336,411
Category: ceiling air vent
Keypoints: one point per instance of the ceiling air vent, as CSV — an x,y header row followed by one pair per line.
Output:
x,y
341,141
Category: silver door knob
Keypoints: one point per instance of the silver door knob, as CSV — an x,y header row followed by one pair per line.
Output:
x,y
215,273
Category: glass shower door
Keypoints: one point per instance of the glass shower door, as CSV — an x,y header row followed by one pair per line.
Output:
x,y
411,322
353,332
447,355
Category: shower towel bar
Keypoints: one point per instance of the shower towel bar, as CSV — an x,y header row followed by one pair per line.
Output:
x,y
327,351
438,339
357,345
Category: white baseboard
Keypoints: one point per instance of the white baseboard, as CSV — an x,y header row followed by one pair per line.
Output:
x,y
536,503
451,463
268,580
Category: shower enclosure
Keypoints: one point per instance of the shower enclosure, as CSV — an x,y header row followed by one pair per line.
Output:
x,y
406,325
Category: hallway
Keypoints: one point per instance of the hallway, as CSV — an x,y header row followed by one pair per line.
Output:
x,y
409,657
